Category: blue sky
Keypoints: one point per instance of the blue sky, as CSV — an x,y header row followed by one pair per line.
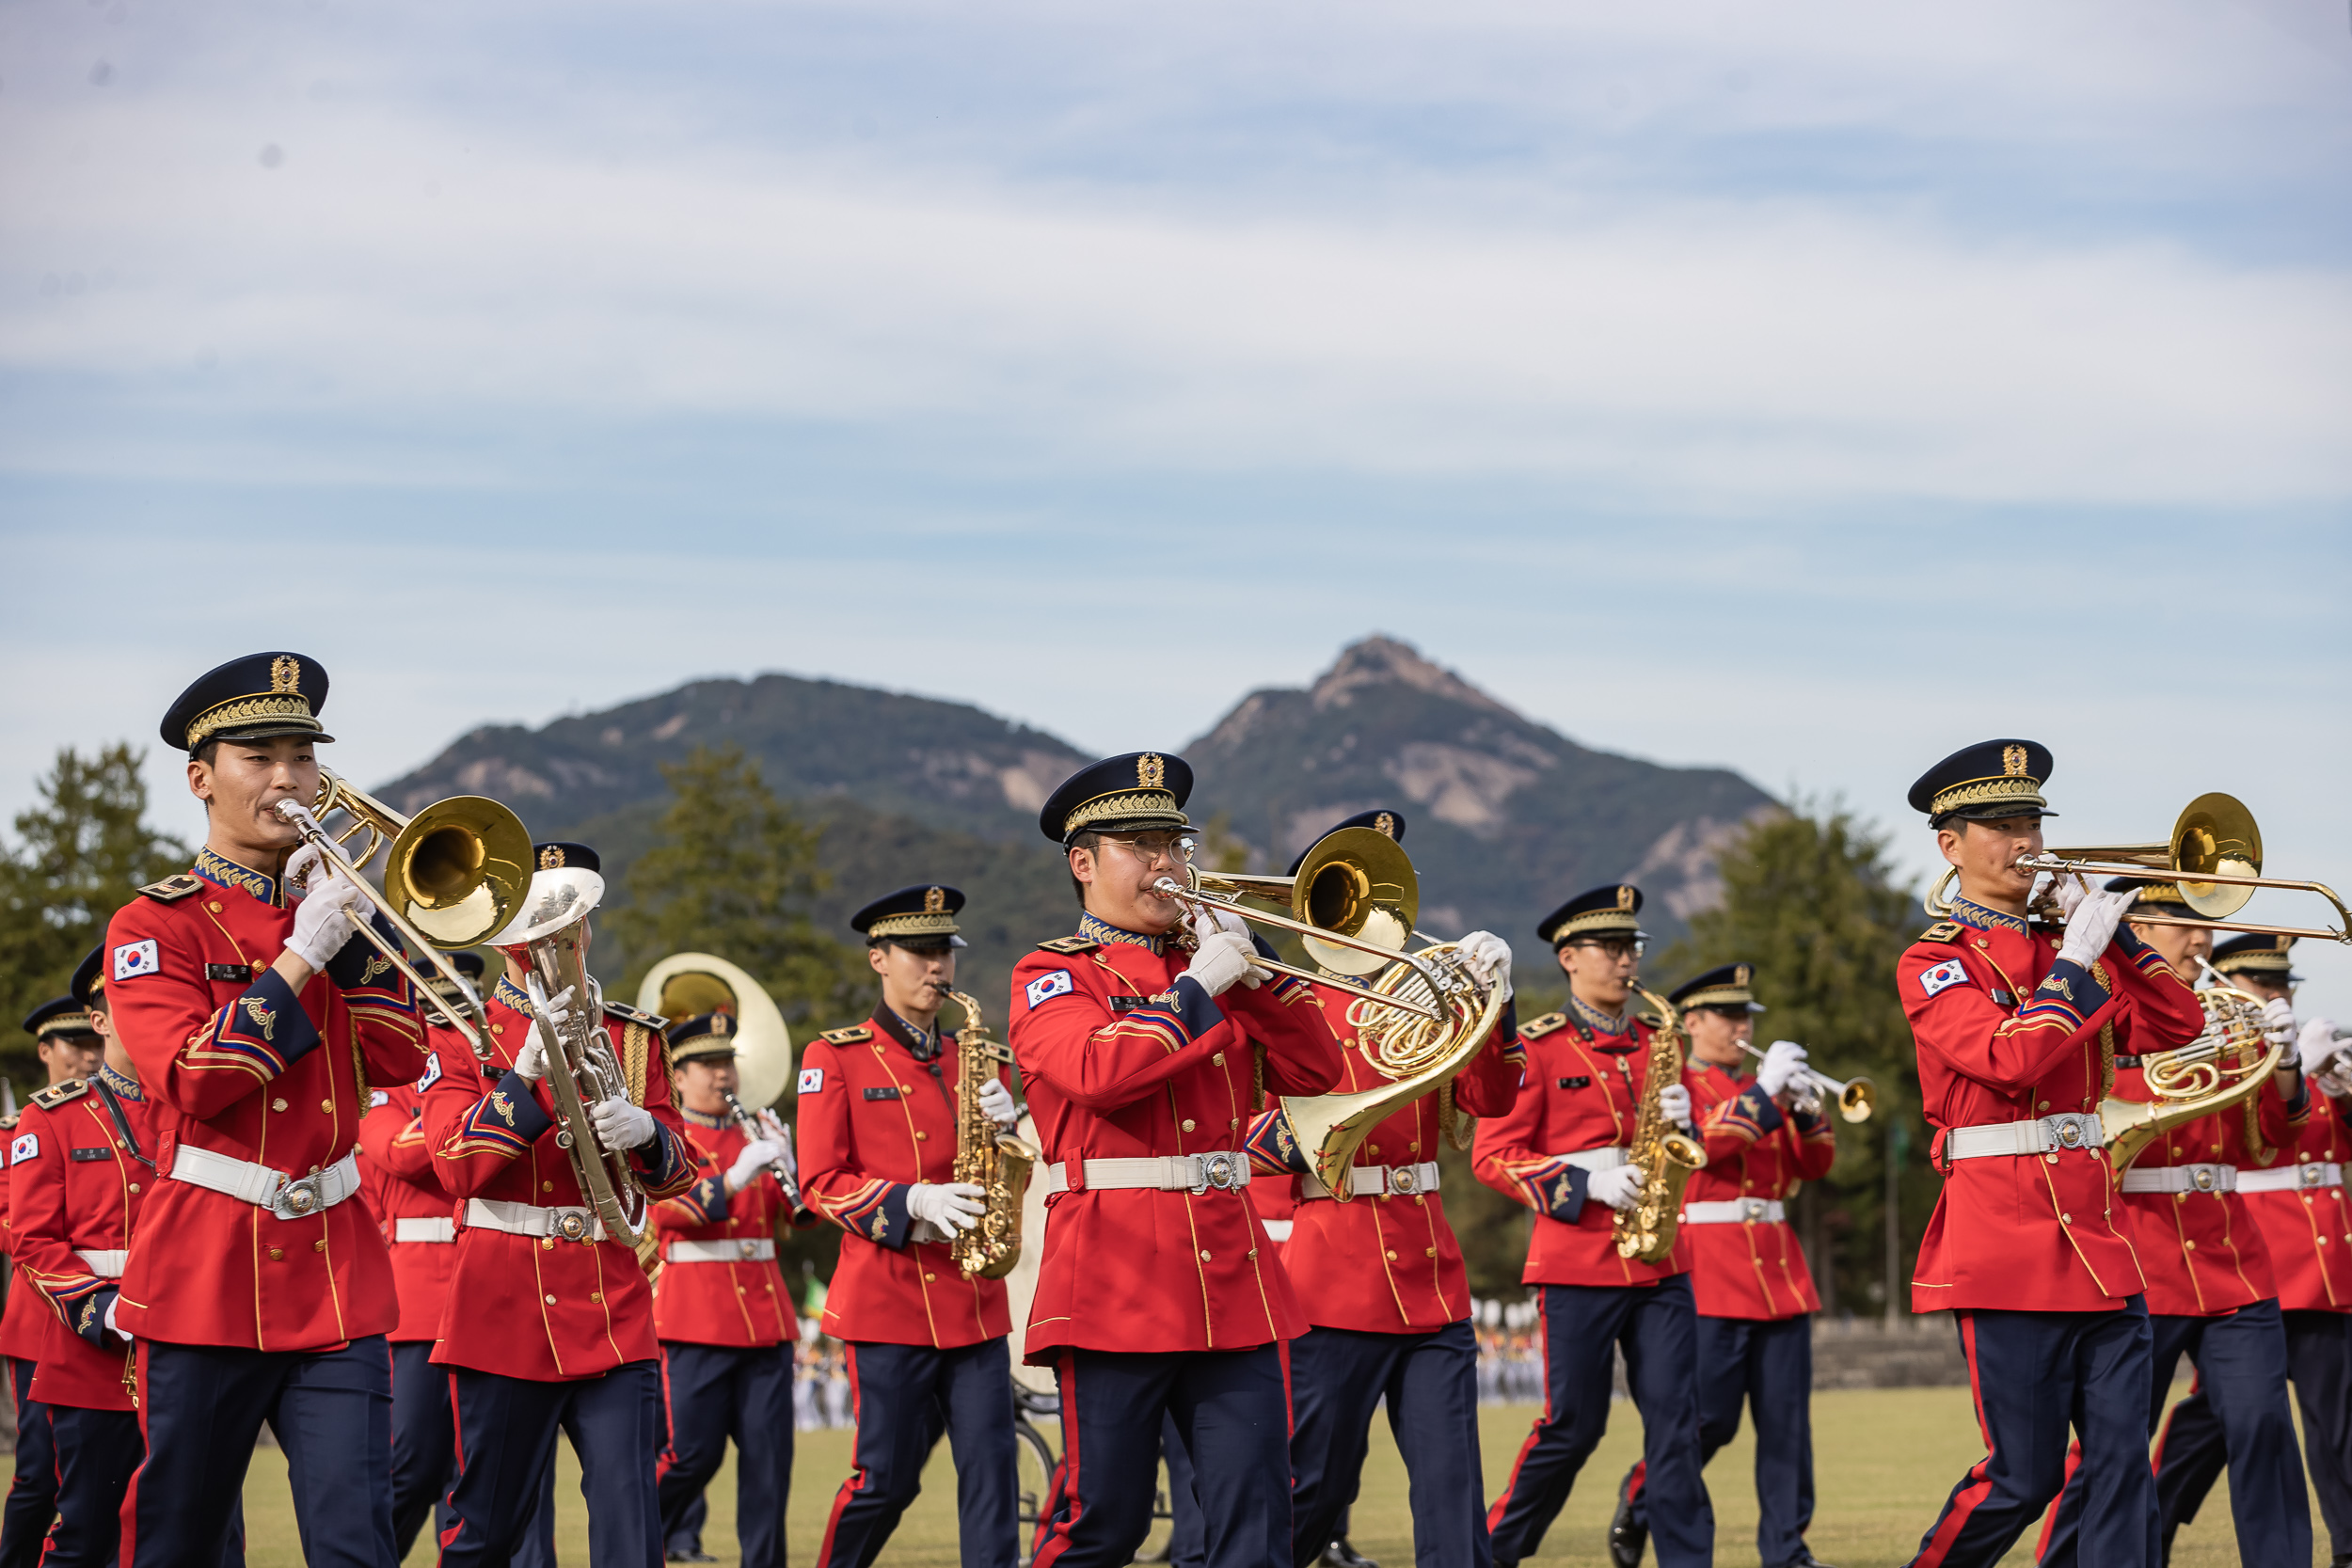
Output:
x,y
1808,388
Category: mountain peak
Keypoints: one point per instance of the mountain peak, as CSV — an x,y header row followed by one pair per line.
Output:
x,y
1379,660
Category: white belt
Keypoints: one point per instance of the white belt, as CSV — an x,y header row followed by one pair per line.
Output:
x,y
1380,1180
2074,1129
1737,1210
104,1264
2288,1178
529,1219
748,1250
424,1227
1168,1172
289,1197
1278,1231
1596,1159
2181,1179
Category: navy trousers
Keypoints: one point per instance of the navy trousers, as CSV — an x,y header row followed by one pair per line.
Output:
x,y
2034,1375
711,1393
2194,1448
1765,1364
203,1406
1430,1381
1232,1420
506,1429
905,1396
424,1442
97,1450
1188,1532
2241,1358
33,1495
1657,1327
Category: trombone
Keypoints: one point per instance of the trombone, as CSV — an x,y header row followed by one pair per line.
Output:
x,y
453,874
2214,854
1856,1096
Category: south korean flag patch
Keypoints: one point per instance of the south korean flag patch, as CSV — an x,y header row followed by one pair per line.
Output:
x,y
1942,977
1046,987
25,1148
134,959
811,1079
432,1072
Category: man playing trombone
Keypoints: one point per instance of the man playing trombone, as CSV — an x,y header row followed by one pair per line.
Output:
x,y
257,1289
1764,1134
549,1320
1144,1061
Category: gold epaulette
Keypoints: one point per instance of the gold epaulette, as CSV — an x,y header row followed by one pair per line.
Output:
x,y
855,1034
628,1014
173,889
1943,930
1067,945
65,1093
1542,1026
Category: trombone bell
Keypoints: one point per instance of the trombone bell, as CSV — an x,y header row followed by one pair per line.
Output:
x,y
459,869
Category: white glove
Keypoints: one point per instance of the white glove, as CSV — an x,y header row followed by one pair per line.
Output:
x,y
2092,926
748,1166
1780,1068
953,1207
1490,956
323,919
2317,1045
532,1060
2279,1021
997,1104
2069,889
113,1328
1223,958
1617,1186
622,1125
1674,1103
1208,919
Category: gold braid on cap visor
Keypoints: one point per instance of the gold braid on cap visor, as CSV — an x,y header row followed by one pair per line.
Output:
x,y
1121,806
1596,920
1723,996
913,925
1979,792
274,708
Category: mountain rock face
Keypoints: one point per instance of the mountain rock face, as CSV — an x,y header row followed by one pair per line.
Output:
x,y
1505,817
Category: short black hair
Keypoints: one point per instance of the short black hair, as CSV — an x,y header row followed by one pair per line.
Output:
x,y
1091,843
206,750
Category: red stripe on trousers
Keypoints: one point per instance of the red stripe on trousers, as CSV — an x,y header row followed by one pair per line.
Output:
x,y
856,1483
458,1453
1964,1501
1543,1353
1054,1535
663,1461
127,1549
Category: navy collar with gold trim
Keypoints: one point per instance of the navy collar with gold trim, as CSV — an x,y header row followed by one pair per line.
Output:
x,y
1594,1019
703,1118
221,871
128,1088
506,993
924,1047
1982,919
1106,933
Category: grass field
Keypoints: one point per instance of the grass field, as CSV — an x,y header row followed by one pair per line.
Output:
x,y
1885,1460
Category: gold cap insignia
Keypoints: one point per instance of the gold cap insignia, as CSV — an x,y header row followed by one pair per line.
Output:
x,y
1151,772
1625,897
1385,823
550,859
935,900
2014,762
721,1024
285,674
1739,975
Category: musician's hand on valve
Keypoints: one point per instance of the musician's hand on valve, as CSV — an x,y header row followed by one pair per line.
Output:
x,y
531,1062
2279,1021
997,1104
953,1207
1223,957
622,1125
1490,956
2317,1045
1617,1186
324,920
1674,1103
2092,925
1779,1067
756,1157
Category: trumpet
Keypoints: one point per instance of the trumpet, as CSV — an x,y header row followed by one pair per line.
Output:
x,y
454,873
2215,853
1856,1096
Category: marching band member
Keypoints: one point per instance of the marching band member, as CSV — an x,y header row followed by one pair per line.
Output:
x,y
88,1163
720,1308
925,1342
549,1320
258,1291
1754,1294
69,1052
1389,1315
1158,1290
1561,1150
2210,1293
2307,1227
2028,1246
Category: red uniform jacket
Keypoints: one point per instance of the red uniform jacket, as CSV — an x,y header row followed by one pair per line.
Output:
x,y
739,1302
2202,1253
25,1320
874,1120
1124,1057
397,1166
78,1187
1754,1268
2006,1032
2309,1230
1384,1264
234,1061
1584,1090
543,1308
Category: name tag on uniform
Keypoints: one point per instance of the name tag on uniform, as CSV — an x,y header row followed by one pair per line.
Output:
x,y
881,1094
1128,1003
226,972
2003,999
1576,1082
86,1155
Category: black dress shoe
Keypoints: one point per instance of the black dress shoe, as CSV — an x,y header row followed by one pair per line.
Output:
x,y
1338,1554
1628,1539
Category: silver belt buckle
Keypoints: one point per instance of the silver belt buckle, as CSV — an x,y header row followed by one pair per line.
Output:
x,y
1404,1179
2202,1177
2070,1133
747,1248
1219,1171
2315,1174
1753,1208
299,1197
572,1225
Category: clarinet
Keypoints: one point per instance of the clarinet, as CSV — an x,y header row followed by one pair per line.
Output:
x,y
780,1169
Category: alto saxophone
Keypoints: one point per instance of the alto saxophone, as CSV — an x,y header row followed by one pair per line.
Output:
x,y
1667,1159
990,1159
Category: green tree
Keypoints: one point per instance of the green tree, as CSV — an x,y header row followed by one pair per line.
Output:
x,y
83,851
1810,899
